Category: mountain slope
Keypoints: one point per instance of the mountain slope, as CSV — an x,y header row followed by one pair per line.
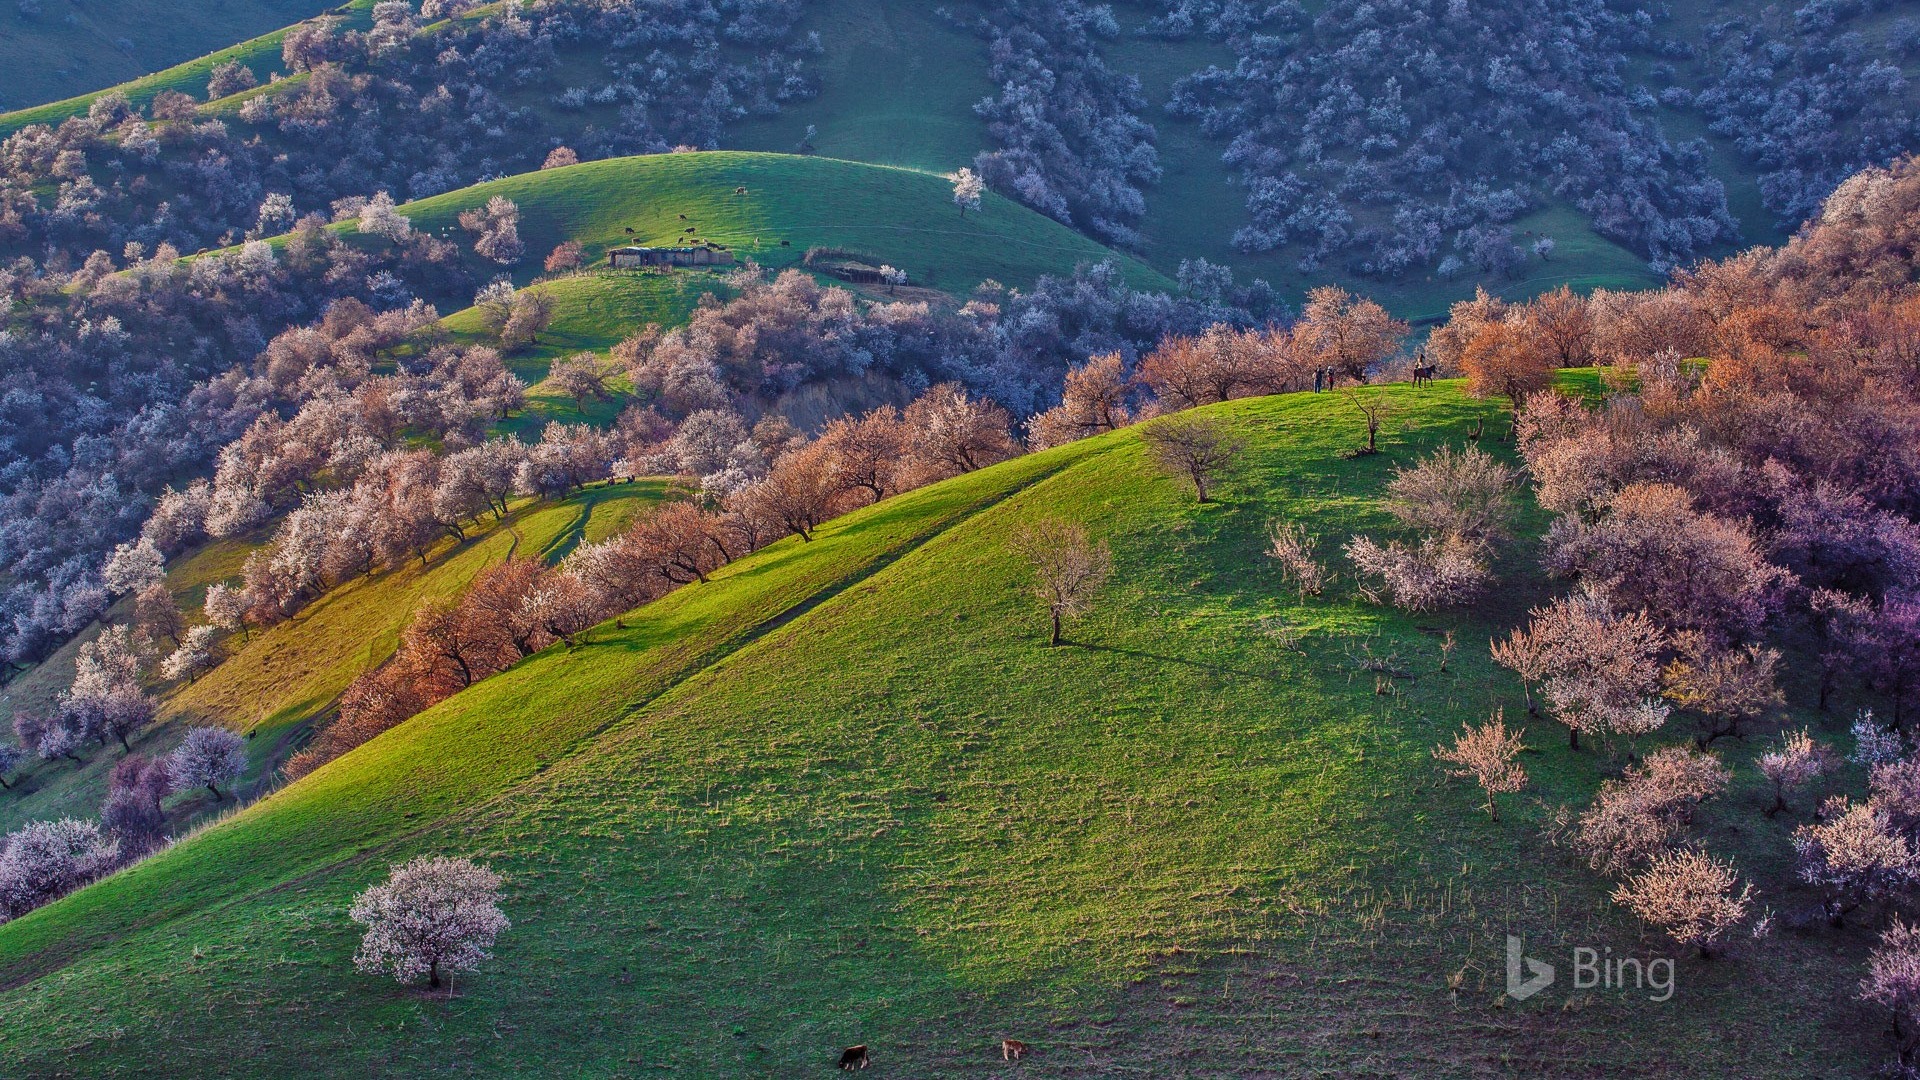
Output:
x,y
73,58
845,794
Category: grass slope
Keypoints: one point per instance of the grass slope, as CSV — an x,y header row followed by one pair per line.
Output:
x,y
844,794
51,56
275,682
791,203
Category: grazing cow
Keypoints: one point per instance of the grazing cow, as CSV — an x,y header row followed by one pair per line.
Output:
x,y
1423,375
1012,1049
854,1057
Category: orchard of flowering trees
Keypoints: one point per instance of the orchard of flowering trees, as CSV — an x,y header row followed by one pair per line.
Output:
x,y
1067,135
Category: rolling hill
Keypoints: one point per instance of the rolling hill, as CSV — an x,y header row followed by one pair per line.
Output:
x,y
773,207
845,794
137,46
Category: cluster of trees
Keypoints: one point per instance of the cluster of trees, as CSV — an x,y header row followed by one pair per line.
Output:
x,y
814,351
1414,133
1399,136
44,860
1337,335
1806,96
1068,139
1709,511
114,384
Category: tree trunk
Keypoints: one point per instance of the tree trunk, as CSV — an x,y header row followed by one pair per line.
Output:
x,y
122,736
1573,739
216,793
433,974
1056,629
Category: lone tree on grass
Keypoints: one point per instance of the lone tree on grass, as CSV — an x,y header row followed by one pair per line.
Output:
x,y
1688,894
1067,567
207,757
1191,446
1485,755
1375,409
433,914
967,190
1799,761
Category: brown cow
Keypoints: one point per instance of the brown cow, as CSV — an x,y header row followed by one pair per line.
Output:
x,y
1012,1049
854,1057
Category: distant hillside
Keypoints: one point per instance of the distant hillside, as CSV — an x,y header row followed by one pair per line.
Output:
x,y
1444,175
50,49
844,793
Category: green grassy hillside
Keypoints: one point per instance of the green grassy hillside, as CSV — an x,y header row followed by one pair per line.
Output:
x,y
274,682
844,793
790,203
75,55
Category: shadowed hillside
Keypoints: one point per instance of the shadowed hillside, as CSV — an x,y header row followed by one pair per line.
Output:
x,y
850,773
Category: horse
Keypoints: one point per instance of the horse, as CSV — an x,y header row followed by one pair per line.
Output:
x,y
1423,375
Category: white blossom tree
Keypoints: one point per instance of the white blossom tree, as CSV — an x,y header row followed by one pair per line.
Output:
x,y
195,656
48,859
226,606
1485,755
133,566
968,189
433,915
380,219
207,757
1068,568
1797,762
497,229
1893,980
